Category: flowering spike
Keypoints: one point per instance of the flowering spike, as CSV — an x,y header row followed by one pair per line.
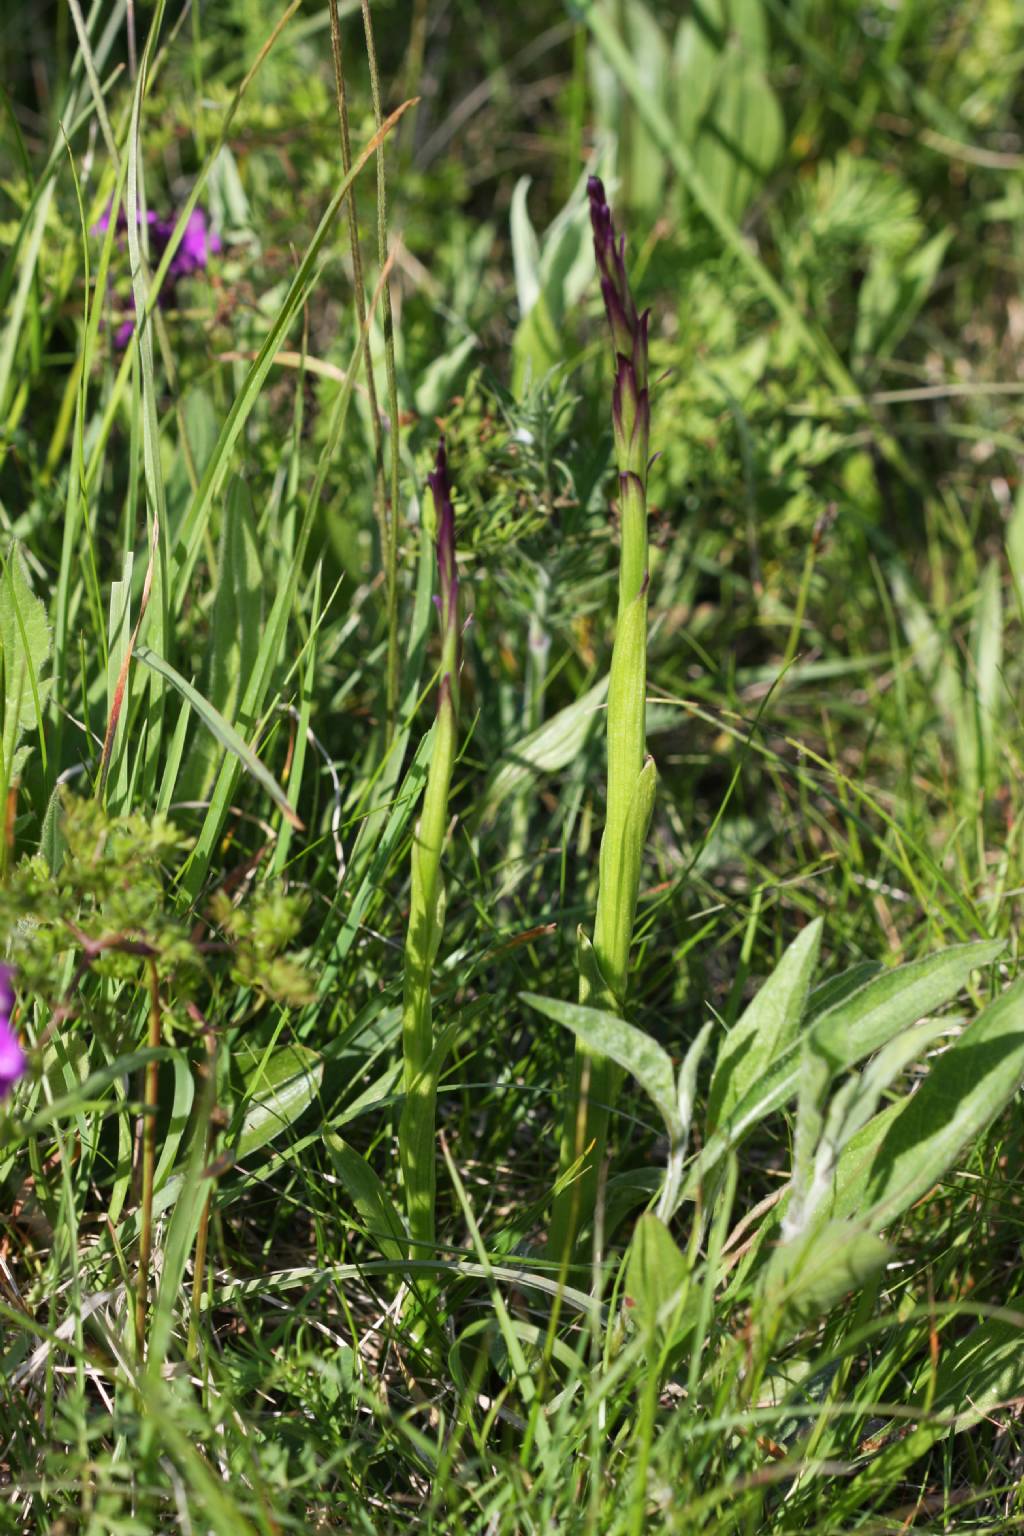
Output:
x,y
12,1057
604,964
416,1131
611,263
630,406
447,572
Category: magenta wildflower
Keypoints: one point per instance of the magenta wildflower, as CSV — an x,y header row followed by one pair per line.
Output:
x,y
12,1057
197,244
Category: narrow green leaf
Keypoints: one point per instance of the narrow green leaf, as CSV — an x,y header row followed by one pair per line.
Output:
x,y
237,607
190,533
987,664
525,249
225,734
25,649
932,653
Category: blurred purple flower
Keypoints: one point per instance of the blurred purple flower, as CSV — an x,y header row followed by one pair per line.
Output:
x,y
12,1057
197,244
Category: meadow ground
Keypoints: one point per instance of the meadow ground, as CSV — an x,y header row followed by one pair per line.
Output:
x,y
442,1089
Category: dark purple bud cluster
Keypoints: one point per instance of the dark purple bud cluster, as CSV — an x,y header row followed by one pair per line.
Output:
x,y
631,412
197,244
447,572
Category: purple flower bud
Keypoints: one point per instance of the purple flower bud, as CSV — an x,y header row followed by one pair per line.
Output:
x,y
611,263
623,333
631,413
12,1057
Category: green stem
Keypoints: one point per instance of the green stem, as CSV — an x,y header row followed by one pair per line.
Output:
x,y
202,1235
604,968
149,1110
425,921
422,1054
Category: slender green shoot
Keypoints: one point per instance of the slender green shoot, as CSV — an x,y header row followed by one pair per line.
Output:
x,y
426,910
604,964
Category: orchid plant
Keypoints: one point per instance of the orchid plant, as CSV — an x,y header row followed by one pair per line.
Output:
x,y
604,963
422,1054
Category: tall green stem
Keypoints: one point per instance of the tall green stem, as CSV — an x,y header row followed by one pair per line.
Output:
x,y
604,965
149,1113
426,910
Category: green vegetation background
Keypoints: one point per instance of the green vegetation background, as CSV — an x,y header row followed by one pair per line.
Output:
x,y
824,203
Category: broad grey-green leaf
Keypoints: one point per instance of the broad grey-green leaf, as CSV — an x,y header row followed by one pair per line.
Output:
x,y
1015,547
736,127
656,1274
52,842
848,1032
626,1045
564,270
648,46
892,294
766,1027
370,1198
976,1372
864,1022
525,249
439,379
567,261
987,665
686,1087
808,1276
966,1088
932,653
181,1105
686,1095
278,1090
837,988
883,1070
